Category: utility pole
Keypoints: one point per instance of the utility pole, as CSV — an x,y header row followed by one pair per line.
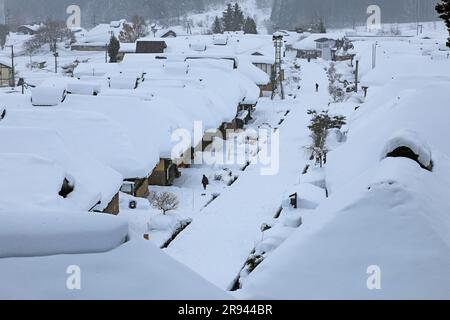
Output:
x,y
278,79
374,55
417,16
55,54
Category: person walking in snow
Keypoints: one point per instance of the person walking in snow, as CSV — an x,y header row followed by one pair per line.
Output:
x,y
317,87
205,182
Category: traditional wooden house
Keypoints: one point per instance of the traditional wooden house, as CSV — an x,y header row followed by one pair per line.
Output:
x,y
266,64
150,46
6,78
136,187
28,29
164,173
316,46
169,34
90,47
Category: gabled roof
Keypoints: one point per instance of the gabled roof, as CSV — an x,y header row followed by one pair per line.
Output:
x,y
321,40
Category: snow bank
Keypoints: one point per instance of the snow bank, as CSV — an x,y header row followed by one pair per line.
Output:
x,y
358,228
137,268
41,233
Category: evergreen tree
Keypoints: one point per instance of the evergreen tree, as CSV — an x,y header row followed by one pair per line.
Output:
x,y
4,32
113,49
217,26
238,18
250,26
227,18
443,9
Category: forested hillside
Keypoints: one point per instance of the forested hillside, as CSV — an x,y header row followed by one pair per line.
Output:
x,y
96,11
347,13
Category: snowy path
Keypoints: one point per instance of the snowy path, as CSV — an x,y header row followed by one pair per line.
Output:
x,y
219,241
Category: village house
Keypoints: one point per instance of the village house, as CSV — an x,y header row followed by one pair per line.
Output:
x,y
5,74
164,173
29,29
150,46
326,46
90,47
167,34
94,187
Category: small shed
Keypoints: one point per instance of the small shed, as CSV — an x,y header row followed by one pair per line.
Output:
x,y
5,74
151,46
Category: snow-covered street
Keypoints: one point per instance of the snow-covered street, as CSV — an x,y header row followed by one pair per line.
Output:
x,y
219,241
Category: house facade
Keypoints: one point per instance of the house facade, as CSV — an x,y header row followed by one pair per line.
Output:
x,y
5,75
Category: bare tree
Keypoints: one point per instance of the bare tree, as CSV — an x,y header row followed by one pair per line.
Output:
x,y
51,33
164,201
31,47
133,31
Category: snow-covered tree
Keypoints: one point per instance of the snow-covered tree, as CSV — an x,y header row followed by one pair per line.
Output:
x,y
217,26
4,32
443,8
133,31
113,49
320,126
31,47
336,92
52,32
250,26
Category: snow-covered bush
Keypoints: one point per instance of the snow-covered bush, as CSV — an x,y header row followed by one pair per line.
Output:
x,y
320,126
337,93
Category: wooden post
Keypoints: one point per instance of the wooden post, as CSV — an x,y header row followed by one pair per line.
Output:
x,y
356,75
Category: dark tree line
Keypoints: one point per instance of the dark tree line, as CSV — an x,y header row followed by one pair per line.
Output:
x,y
443,8
98,11
233,19
348,13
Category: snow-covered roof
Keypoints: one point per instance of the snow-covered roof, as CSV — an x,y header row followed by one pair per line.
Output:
x,y
30,182
92,181
252,72
58,232
6,62
135,118
309,43
102,32
86,132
